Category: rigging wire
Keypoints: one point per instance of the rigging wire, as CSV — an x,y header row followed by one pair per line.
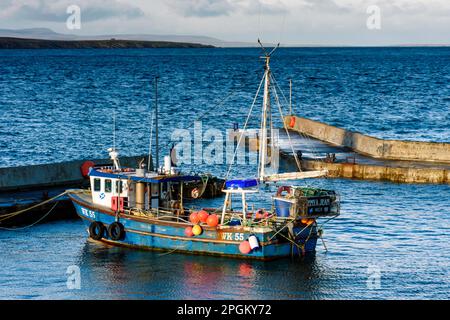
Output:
x,y
245,126
285,128
304,136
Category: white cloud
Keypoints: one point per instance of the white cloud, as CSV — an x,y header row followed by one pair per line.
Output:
x,y
47,10
208,8
201,8
331,22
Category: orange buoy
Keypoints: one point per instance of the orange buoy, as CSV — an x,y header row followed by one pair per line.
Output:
x,y
194,218
197,230
202,215
292,122
307,221
188,232
244,247
213,220
261,214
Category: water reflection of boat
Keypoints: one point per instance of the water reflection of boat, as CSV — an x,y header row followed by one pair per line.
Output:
x,y
138,274
137,208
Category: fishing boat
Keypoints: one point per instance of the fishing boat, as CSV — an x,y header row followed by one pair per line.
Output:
x,y
143,209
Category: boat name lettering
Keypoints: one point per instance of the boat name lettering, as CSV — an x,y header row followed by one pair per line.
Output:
x,y
319,202
233,236
88,213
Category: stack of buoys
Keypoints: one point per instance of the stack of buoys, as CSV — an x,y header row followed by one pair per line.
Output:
x,y
247,246
197,218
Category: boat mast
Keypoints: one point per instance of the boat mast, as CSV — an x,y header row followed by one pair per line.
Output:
x,y
266,111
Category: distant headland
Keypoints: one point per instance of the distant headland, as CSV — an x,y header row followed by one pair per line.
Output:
x,y
22,43
31,38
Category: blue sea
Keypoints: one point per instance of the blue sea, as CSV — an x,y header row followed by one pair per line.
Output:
x,y
392,241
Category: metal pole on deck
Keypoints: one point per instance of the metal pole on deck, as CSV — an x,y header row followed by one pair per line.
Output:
x,y
156,124
181,200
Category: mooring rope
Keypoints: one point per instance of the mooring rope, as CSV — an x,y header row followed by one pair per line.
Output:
x,y
169,252
279,230
34,223
13,214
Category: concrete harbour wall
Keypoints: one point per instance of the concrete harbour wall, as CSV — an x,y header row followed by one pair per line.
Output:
x,y
370,146
383,173
55,174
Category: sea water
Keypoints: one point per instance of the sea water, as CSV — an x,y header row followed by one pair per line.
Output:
x,y
391,240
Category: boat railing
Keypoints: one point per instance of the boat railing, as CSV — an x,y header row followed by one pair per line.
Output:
x,y
177,214
112,169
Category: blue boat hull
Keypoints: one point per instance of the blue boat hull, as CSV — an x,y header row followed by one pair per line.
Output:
x,y
161,235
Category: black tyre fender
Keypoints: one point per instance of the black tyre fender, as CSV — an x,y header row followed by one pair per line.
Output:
x,y
116,231
96,230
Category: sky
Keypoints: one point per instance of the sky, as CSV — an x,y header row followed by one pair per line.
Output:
x,y
291,22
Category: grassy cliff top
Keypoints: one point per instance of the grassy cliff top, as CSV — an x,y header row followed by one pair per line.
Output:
x,y
21,43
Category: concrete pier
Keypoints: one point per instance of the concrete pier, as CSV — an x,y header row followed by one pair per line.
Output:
x,y
386,160
370,146
380,172
65,174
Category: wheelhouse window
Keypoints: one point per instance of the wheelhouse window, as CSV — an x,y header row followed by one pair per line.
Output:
x,y
108,185
97,185
119,187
